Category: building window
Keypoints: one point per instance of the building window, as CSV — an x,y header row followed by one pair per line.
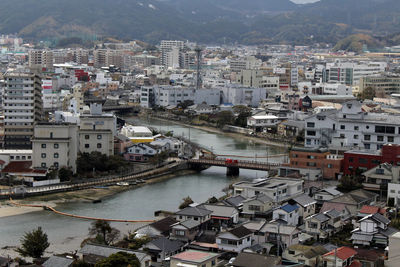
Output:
x,y
86,145
43,155
310,124
87,136
56,155
99,136
43,165
56,146
56,164
362,161
390,139
330,166
379,138
367,146
342,127
43,145
356,128
99,145
355,136
367,137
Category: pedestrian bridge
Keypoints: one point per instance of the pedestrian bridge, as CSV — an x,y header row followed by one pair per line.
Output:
x,y
232,166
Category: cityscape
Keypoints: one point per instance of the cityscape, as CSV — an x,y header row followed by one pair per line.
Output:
x,y
179,144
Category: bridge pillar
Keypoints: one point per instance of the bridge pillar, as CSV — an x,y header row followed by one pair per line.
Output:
x,y
232,171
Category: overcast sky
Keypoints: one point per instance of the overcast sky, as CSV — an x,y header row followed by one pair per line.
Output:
x,y
304,1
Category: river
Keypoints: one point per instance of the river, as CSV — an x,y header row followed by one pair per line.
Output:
x,y
65,234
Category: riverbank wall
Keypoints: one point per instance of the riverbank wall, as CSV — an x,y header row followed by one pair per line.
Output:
x,y
145,177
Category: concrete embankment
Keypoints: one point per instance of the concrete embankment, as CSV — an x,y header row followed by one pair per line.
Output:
x,y
139,178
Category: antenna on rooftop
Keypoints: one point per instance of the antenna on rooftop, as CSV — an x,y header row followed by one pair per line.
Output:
x,y
198,80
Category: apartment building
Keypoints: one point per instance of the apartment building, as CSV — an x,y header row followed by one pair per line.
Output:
x,y
40,59
23,107
238,95
244,63
55,145
352,127
171,53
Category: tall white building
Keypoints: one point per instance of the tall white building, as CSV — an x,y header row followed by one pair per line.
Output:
x,y
170,51
23,108
248,96
352,127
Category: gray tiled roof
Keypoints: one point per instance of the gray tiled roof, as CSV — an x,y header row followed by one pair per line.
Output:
x,y
57,261
194,211
106,251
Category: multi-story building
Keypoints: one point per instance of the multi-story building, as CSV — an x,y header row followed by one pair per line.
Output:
x,y
330,166
238,95
40,59
257,78
246,63
55,145
350,73
352,127
168,58
388,84
165,96
23,107
97,131
364,160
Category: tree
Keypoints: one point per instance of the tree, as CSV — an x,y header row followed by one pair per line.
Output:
x,y
120,259
243,113
349,183
33,244
103,232
81,263
186,202
367,93
224,117
65,174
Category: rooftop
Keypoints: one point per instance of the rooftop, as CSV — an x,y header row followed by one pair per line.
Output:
x,y
195,256
343,253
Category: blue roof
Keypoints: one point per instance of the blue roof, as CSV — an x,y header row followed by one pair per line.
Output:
x,y
289,208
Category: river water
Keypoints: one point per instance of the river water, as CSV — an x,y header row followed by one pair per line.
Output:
x,y
65,234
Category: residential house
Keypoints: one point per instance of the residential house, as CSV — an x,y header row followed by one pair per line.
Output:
x,y
370,257
306,206
142,152
194,258
235,240
341,257
269,233
378,178
287,213
257,205
307,255
93,253
222,215
355,199
290,128
235,201
323,225
58,261
245,259
368,210
339,207
162,248
278,189
159,228
262,122
374,231
326,194
199,214
185,231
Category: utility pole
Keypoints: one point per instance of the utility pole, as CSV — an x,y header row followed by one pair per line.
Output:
x,y
198,80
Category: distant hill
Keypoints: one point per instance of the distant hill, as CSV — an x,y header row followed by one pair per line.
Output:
x,y
355,43
207,21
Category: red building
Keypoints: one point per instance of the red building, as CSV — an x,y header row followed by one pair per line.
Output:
x,y
365,160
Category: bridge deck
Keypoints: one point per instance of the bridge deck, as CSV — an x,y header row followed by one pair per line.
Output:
x,y
252,165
